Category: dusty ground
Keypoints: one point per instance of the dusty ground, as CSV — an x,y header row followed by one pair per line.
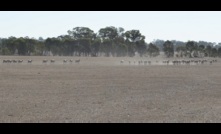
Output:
x,y
103,90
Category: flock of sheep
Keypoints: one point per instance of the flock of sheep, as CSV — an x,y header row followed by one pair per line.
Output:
x,y
173,62
64,61
140,62
43,61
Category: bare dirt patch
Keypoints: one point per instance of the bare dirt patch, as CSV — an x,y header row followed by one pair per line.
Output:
x,y
104,90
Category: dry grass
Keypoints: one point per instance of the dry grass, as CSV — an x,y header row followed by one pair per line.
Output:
x,y
102,90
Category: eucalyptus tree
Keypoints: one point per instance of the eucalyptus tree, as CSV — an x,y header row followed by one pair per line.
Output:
x,y
159,43
95,47
122,50
168,48
81,32
4,49
30,43
153,50
54,46
181,50
208,51
108,36
201,49
214,52
219,52
21,46
83,37
10,45
135,42
39,48
192,49
119,45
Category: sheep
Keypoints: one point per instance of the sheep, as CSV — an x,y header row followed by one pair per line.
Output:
x,y
65,61
14,61
52,61
45,61
77,61
29,61
20,61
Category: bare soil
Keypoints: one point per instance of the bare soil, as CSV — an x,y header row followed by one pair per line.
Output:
x,y
102,89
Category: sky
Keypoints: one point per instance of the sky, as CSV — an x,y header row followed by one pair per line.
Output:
x,y
165,25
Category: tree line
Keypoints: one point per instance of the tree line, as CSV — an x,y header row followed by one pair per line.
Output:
x,y
108,41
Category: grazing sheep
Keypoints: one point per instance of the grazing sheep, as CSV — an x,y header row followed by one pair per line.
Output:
x,y
65,61
29,61
77,61
139,62
52,61
45,61
20,61
9,61
5,61
145,62
166,62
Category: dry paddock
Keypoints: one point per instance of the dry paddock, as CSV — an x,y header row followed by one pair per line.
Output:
x,y
103,90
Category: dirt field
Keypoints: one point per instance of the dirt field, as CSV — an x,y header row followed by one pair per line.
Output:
x,y
104,90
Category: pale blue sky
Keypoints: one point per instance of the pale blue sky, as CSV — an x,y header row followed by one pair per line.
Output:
x,y
166,25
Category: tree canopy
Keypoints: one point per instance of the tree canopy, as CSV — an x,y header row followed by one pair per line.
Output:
x,y
108,41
